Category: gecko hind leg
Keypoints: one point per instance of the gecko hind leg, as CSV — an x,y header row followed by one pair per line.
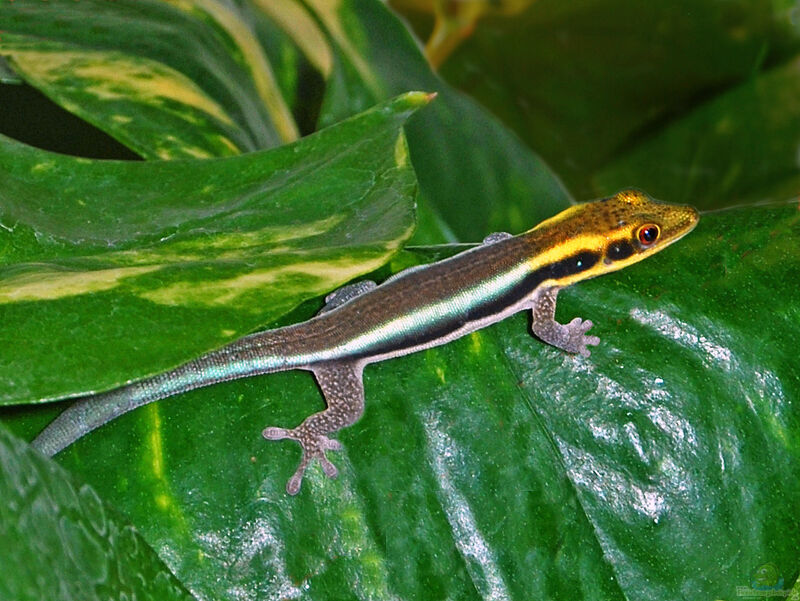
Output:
x,y
343,389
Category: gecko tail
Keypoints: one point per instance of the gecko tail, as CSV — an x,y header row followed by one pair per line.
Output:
x,y
87,414
92,411
259,353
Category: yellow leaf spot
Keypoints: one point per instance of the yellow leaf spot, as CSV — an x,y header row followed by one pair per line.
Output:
x,y
231,245
226,141
50,284
42,167
476,343
401,152
325,275
192,151
156,448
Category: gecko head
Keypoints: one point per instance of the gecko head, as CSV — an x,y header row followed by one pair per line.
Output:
x,y
633,226
598,237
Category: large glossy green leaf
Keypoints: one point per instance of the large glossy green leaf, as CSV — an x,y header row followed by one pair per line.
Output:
x,y
497,467
587,80
168,79
59,540
115,270
696,420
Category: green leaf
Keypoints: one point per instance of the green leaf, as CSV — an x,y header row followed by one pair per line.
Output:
x,y
201,86
742,146
59,540
141,265
664,466
684,443
169,80
586,81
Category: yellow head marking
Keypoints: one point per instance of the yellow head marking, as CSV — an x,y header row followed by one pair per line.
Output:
x,y
612,233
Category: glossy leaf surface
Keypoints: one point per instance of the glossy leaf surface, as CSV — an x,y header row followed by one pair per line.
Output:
x,y
605,465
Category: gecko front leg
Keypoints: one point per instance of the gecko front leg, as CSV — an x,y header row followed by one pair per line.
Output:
x,y
570,337
343,389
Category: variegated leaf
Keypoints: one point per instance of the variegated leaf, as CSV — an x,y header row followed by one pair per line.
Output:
x,y
110,271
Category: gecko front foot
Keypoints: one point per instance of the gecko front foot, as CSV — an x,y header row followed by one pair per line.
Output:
x,y
569,337
576,338
314,447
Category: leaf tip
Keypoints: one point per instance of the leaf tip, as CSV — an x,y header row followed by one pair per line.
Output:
x,y
418,99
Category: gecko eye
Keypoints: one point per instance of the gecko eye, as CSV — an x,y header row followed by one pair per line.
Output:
x,y
648,234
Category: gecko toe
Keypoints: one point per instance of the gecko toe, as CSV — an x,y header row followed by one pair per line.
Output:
x,y
293,485
584,342
580,325
273,433
327,467
577,339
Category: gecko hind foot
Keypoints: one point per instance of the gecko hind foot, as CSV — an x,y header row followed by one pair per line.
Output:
x,y
314,447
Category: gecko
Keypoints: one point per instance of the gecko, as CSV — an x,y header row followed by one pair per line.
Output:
x,y
418,308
